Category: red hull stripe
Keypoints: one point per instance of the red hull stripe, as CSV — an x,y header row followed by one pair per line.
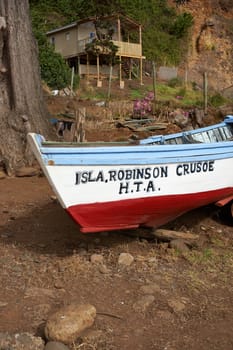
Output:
x,y
132,213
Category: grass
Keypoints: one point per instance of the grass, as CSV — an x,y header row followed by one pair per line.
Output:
x,y
211,259
92,95
136,94
174,94
179,95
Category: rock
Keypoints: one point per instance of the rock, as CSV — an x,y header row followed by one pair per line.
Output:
x,y
180,119
26,171
3,304
179,245
97,259
125,259
103,269
163,314
219,230
144,303
176,305
59,284
55,345
68,323
101,104
53,198
150,289
20,341
153,261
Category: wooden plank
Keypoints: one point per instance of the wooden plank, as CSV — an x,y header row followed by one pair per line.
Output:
x,y
169,235
158,126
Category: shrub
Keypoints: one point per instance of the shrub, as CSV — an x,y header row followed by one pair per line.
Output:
x,y
182,92
174,82
217,100
54,70
143,107
181,25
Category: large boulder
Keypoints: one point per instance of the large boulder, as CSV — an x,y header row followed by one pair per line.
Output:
x,y
68,323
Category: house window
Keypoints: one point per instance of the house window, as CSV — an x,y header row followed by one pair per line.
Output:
x,y
67,36
52,40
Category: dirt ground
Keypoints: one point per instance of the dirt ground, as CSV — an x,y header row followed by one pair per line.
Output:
x,y
166,299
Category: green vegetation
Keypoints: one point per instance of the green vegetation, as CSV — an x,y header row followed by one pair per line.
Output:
x,y
217,100
136,94
45,15
165,33
103,42
54,71
174,82
177,96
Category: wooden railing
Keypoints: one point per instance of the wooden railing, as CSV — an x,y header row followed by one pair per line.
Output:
x,y
128,49
124,48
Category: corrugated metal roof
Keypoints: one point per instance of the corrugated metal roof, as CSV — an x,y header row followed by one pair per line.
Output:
x,y
125,19
68,26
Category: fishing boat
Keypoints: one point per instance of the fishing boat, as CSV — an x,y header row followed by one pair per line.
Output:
x,y
119,185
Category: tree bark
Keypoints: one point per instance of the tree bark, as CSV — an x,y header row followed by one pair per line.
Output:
x,y
22,108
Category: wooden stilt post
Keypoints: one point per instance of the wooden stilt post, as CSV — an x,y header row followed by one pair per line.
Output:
x,y
130,69
79,71
120,65
140,42
98,71
109,83
72,81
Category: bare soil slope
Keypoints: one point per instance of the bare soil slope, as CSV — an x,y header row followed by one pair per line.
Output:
x,y
211,38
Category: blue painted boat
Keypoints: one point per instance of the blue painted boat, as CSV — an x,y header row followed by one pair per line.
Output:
x,y
108,186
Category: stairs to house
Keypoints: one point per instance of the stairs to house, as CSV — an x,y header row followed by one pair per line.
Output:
x,y
126,68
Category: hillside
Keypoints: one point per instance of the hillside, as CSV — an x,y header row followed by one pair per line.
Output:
x,y
168,38
211,45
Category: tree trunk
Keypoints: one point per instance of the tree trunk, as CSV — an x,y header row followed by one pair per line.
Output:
x,y
22,108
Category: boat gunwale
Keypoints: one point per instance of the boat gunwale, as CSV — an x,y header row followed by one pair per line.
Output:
x,y
137,148
151,140
128,153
